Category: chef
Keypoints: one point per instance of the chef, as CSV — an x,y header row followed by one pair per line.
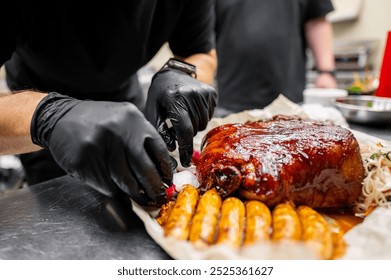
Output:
x,y
76,106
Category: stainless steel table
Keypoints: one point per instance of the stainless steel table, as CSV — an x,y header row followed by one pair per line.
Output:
x,y
65,219
381,131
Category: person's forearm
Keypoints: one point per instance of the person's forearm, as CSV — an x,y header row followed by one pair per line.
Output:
x,y
16,111
206,64
319,34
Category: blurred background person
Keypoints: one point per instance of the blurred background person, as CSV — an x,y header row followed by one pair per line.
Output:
x,y
261,48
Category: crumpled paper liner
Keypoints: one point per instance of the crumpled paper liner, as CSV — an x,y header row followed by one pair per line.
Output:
x,y
369,240
372,238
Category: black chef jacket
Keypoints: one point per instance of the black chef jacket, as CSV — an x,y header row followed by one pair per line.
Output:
x,y
94,52
261,50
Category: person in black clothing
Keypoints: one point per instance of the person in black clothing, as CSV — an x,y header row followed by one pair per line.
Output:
x,y
261,48
74,69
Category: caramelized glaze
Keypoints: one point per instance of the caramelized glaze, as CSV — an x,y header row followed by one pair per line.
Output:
x,y
284,159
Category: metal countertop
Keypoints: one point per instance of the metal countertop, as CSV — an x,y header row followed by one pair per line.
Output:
x,y
65,219
382,131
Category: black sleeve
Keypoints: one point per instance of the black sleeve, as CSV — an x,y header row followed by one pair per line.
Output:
x,y
194,32
9,26
317,8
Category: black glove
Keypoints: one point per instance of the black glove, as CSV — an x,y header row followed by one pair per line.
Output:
x,y
188,103
108,145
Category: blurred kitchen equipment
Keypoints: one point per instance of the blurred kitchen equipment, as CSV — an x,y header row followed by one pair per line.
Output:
x,y
345,10
353,54
352,57
365,109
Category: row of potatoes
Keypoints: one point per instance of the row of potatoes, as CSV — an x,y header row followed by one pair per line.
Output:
x,y
208,219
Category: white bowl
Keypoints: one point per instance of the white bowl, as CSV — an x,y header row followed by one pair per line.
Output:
x,y
323,96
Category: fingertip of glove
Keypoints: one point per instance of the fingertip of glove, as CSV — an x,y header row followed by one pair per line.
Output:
x,y
185,156
185,161
141,200
161,198
167,138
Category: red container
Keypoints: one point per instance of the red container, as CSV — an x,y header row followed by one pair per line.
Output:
x,y
384,89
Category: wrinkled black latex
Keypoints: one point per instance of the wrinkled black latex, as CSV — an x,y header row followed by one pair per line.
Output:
x,y
110,146
187,102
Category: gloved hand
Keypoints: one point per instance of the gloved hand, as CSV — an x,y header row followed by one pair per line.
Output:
x,y
188,104
110,146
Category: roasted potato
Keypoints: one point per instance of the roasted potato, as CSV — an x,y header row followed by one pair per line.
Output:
x,y
286,223
258,222
337,237
315,231
231,224
178,222
164,212
204,224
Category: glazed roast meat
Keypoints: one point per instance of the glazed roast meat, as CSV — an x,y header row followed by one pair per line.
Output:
x,y
284,159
